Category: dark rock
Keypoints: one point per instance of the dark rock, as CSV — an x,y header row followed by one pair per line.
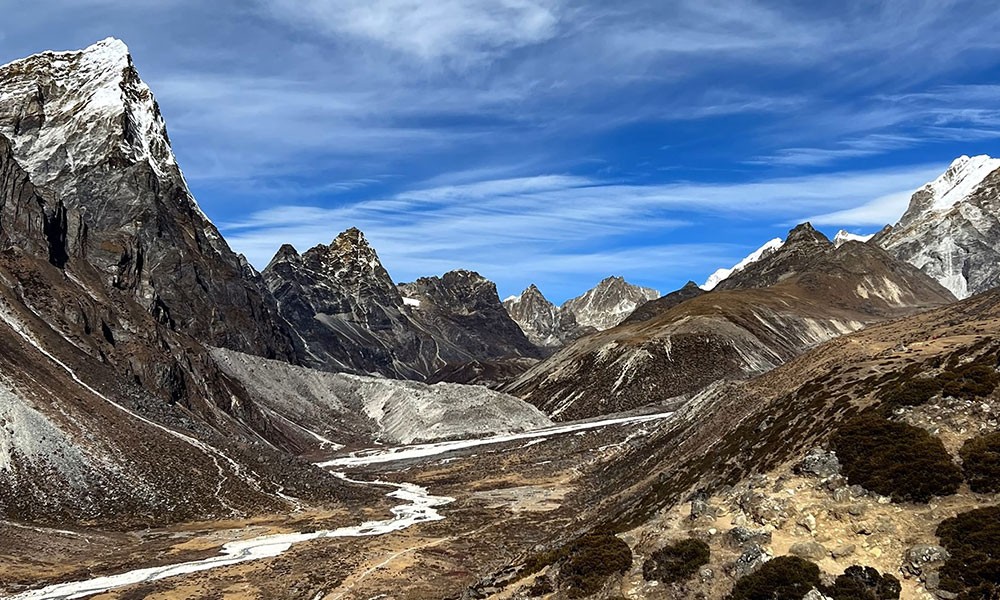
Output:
x,y
741,537
352,317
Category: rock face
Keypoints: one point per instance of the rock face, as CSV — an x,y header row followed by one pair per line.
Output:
x,y
804,293
352,317
609,303
545,324
89,135
951,229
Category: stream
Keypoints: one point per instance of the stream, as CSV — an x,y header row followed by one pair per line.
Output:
x,y
419,506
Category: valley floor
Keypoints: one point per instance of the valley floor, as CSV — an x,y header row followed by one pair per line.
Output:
x,y
510,493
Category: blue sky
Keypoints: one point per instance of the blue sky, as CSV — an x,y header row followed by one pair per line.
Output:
x,y
550,141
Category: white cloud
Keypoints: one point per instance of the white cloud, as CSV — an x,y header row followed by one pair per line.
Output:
x,y
460,31
879,212
547,227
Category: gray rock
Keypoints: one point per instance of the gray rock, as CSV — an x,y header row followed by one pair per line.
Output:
x,y
706,574
932,580
543,322
819,463
919,559
809,550
815,594
958,247
700,506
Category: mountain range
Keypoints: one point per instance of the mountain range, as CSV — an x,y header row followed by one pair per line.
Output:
x,y
151,380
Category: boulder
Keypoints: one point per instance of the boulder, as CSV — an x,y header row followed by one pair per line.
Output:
x,y
809,550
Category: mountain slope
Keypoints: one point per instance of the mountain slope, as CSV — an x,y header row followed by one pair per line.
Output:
x,y
951,229
653,308
752,470
357,410
721,275
815,292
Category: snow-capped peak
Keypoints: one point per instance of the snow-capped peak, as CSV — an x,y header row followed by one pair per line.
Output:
x,y
76,109
960,180
722,274
843,236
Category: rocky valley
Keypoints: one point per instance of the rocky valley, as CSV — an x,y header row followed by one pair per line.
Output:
x,y
820,421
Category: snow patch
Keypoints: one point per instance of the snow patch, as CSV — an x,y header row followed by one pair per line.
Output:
x,y
960,180
722,274
844,236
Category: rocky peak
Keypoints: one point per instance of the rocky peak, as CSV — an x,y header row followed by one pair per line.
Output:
x,y
350,264
89,135
460,291
951,229
778,260
540,320
66,111
608,303
286,253
805,233
843,236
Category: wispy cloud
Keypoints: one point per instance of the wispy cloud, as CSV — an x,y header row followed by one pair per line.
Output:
x,y
458,31
523,228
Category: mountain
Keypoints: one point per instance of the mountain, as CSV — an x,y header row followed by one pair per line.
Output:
x,y
951,229
462,311
122,309
352,317
545,324
603,306
800,249
90,137
608,303
804,293
111,282
721,274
